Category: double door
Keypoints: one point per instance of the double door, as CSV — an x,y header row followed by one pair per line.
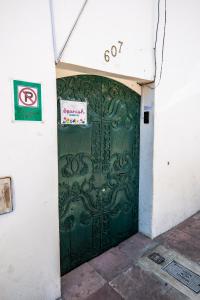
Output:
x,y
98,169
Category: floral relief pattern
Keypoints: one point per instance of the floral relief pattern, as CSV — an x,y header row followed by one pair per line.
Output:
x,y
98,186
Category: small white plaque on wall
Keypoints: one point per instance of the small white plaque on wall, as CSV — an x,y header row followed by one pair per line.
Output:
x,y
5,195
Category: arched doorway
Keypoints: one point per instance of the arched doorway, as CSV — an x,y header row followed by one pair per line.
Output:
x,y
98,168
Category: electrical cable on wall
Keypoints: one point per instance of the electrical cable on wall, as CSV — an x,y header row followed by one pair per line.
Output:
x,y
156,39
71,31
155,48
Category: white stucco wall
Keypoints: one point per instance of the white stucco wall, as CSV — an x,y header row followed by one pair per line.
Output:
x,y
101,25
177,127
169,171
146,163
29,250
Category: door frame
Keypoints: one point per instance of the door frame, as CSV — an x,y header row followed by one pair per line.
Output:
x,y
146,138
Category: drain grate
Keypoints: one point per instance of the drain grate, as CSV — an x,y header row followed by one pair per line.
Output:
x,y
184,275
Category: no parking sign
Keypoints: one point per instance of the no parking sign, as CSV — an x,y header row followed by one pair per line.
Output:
x,y
27,101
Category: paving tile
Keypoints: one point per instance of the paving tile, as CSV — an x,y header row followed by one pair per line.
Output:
x,y
182,242
80,283
137,284
174,294
123,285
136,246
191,226
197,216
111,263
105,293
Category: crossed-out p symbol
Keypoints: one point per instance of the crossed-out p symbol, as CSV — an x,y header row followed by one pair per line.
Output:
x,y
28,97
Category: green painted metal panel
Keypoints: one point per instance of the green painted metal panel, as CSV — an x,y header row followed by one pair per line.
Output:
x,y
98,169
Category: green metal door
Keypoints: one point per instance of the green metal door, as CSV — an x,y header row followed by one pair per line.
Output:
x,y
98,169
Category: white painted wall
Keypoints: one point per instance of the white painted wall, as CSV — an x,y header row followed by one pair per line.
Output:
x,y
29,251
102,24
177,125
146,163
169,193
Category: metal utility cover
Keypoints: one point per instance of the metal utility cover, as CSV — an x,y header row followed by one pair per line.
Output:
x,y
184,275
157,258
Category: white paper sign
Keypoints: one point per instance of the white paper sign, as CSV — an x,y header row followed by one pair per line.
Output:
x,y
73,112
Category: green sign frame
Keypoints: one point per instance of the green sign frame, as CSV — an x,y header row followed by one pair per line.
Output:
x,y
27,101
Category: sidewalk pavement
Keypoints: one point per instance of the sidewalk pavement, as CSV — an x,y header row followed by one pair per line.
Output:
x,y
126,272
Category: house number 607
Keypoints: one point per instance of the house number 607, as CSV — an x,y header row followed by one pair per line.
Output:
x,y
114,50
